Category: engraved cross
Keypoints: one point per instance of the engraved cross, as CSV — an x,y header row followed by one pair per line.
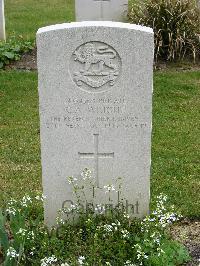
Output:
x,y
96,155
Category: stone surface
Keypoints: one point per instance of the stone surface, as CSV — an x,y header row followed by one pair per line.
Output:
x,y
2,21
110,10
95,90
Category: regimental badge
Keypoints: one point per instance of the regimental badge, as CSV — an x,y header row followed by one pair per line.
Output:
x,y
96,65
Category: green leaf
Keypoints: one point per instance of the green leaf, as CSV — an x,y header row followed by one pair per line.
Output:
x,y
1,64
16,48
4,242
21,251
9,55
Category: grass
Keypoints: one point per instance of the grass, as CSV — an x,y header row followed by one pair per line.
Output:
x,y
19,131
175,143
24,17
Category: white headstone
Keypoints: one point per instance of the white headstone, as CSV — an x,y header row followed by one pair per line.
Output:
x,y
107,10
95,90
2,21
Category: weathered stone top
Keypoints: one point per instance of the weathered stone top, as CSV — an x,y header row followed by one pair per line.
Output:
x,y
95,24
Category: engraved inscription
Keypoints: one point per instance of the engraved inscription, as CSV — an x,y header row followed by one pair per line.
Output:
x,y
96,155
95,66
96,113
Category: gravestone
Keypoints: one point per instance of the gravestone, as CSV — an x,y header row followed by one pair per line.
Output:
x,y
110,10
2,21
95,91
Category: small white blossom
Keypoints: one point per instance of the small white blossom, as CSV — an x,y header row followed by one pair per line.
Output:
x,y
159,250
73,207
81,259
59,220
12,253
86,174
129,263
109,188
30,235
40,198
108,228
12,202
72,180
100,208
48,260
126,215
140,253
125,233
11,210
21,232
25,201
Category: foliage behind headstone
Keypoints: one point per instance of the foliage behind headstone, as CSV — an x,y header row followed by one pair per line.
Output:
x,y
13,49
175,24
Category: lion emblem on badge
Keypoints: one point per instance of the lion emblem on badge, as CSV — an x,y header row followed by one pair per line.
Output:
x,y
98,64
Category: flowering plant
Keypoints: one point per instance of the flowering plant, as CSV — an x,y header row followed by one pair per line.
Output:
x,y
100,239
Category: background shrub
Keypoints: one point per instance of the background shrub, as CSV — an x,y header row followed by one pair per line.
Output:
x,y
13,49
176,27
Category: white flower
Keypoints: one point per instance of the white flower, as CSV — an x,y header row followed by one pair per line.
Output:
x,y
129,263
59,220
11,211
12,202
86,174
30,235
12,253
126,215
65,264
125,233
160,251
48,260
108,228
81,259
71,180
25,201
100,208
109,188
21,232
73,207
40,198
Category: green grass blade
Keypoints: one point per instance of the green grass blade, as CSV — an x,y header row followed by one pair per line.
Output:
x,y
4,242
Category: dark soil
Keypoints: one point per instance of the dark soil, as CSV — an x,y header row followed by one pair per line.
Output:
x,y
188,233
181,66
28,62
